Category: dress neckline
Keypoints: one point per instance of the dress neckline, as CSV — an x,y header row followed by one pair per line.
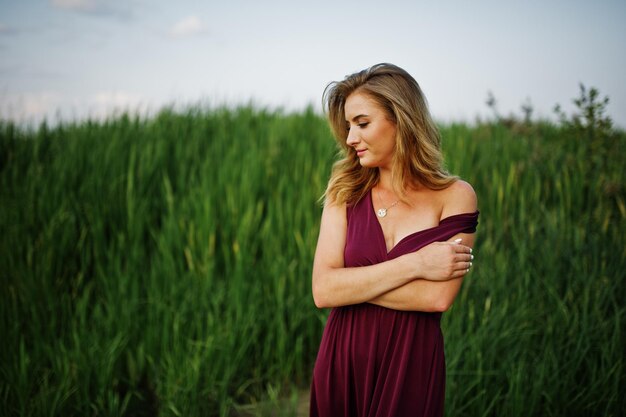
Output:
x,y
382,233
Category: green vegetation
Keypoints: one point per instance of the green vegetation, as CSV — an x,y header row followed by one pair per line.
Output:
x,y
162,266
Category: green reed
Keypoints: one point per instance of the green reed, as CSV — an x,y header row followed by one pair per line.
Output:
x,y
162,266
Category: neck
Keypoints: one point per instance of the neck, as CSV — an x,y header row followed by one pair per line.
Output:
x,y
384,179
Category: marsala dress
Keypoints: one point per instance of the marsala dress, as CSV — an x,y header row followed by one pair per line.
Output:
x,y
374,361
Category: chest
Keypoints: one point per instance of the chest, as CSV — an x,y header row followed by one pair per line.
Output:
x,y
371,240
398,224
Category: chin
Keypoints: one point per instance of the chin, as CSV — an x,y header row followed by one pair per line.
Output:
x,y
369,164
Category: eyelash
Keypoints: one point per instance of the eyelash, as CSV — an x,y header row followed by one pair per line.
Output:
x,y
361,125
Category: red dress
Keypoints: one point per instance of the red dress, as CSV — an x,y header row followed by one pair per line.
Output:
x,y
374,361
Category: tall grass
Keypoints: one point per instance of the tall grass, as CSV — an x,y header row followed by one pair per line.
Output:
x,y
162,266
539,327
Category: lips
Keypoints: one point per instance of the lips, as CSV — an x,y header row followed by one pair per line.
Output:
x,y
360,152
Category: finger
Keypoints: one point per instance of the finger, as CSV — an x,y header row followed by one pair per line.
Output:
x,y
458,274
463,266
463,257
462,249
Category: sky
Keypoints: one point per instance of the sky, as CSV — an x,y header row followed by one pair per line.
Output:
x,y
72,59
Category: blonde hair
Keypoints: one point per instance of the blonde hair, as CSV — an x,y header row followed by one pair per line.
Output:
x,y
417,156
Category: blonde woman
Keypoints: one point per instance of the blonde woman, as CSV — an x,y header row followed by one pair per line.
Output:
x,y
394,245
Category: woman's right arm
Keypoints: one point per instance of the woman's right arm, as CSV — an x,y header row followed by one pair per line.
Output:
x,y
335,285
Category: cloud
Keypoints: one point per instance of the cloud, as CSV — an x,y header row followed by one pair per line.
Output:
x,y
188,26
7,30
78,5
116,99
95,7
54,106
12,72
25,106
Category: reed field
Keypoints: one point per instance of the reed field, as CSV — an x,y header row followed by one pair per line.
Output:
x,y
162,266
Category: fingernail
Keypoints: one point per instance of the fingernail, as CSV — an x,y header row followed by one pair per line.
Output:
x,y
471,250
471,257
467,270
458,240
471,265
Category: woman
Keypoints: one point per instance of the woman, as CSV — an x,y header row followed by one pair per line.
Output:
x,y
394,245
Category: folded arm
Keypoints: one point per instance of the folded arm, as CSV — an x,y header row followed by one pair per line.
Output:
x,y
335,285
422,294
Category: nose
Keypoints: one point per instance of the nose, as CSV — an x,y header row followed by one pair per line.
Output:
x,y
353,137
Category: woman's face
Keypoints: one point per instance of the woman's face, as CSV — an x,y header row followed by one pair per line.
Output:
x,y
370,132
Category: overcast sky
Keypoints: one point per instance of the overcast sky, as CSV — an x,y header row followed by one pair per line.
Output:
x,y
72,58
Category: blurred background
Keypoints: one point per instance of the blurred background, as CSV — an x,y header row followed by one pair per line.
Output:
x,y
161,165
73,58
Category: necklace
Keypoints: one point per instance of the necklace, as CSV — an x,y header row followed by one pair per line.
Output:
x,y
382,212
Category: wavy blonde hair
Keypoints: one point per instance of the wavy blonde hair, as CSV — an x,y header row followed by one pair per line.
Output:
x,y
417,156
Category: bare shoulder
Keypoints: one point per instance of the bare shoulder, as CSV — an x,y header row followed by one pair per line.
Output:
x,y
334,221
334,210
332,237
459,197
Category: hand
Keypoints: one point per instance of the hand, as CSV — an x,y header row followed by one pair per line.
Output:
x,y
442,261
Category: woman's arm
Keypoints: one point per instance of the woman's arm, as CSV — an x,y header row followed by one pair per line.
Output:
x,y
335,285
435,296
422,294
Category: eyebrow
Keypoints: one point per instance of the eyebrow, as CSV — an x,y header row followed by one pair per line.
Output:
x,y
358,117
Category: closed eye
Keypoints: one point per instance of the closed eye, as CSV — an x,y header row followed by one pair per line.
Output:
x,y
361,125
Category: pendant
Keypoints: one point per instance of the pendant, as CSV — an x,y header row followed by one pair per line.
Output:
x,y
381,212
